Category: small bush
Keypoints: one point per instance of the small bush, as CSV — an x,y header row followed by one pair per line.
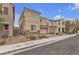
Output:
x,y
32,37
42,37
57,33
2,42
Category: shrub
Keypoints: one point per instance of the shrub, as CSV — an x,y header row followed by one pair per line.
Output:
x,y
2,42
32,37
57,33
42,37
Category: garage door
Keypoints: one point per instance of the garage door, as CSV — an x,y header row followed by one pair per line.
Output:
x,y
43,31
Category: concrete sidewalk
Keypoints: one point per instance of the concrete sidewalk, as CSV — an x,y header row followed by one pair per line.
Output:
x,y
16,48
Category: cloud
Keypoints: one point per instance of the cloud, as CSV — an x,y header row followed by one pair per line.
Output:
x,y
69,7
58,17
75,7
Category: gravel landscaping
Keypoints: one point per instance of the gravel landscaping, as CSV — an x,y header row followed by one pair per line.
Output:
x,y
20,39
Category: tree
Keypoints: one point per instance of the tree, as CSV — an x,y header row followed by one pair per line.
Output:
x,y
77,24
67,26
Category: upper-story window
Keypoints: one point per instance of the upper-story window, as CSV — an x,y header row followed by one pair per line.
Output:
x,y
58,23
40,20
52,23
63,23
5,10
6,26
33,16
33,27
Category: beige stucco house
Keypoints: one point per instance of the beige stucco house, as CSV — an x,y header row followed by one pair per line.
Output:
x,y
57,26
32,22
60,26
8,15
52,27
29,21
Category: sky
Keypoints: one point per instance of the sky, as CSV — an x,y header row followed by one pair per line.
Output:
x,y
49,10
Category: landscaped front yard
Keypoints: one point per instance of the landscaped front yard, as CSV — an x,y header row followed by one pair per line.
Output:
x,y
13,40
20,38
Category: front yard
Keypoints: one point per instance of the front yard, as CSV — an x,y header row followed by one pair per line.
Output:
x,y
13,40
20,39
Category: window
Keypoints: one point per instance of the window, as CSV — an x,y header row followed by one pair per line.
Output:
x,y
63,30
33,27
40,20
33,16
6,27
63,23
5,10
59,23
59,30
52,23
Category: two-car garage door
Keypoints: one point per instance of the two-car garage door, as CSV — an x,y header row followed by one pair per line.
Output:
x,y
43,30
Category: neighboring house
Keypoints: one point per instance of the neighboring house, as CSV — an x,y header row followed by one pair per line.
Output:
x,y
52,27
44,25
29,21
8,14
57,26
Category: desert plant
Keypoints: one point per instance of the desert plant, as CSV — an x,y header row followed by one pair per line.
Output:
x,y
42,37
32,37
2,42
57,33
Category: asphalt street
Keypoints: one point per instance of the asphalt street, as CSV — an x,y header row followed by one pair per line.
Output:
x,y
65,47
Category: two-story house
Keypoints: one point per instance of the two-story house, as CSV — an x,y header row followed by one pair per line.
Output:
x,y
8,15
29,21
60,26
32,22
57,26
52,27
